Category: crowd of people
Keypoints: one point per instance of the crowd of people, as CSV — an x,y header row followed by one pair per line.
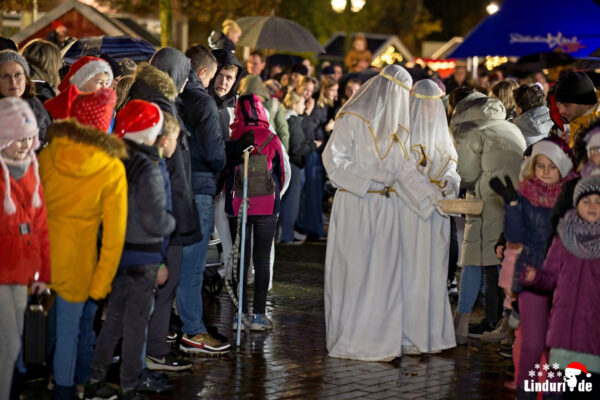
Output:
x,y
116,177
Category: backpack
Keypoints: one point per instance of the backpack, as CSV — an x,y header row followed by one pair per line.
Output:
x,y
260,180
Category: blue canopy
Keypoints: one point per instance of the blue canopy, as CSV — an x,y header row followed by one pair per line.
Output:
x,y
525,27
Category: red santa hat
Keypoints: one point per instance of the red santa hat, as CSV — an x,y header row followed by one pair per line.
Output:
x,y
95,108
140,121
83,70
18,122
576,368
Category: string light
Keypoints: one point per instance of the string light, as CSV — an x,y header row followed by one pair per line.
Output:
x,y
338,5
388,57
357,5
492,62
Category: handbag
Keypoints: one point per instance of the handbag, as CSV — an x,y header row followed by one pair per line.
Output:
x,y
34,331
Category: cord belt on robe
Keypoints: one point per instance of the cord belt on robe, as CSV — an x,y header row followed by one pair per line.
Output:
x,y
384,192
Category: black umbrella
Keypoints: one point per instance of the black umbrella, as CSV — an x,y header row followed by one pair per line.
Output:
x,y
539,61
276,33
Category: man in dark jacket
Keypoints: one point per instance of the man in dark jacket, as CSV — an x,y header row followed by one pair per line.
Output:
x,y
207,149
223,87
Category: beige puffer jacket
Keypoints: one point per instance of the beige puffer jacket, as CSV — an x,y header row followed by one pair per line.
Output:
x,y
487,146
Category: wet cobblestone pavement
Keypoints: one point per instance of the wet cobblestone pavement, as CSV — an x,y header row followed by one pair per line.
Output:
x,y
291,361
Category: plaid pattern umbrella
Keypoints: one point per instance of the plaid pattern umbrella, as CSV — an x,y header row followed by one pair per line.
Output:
x,y
276,33
118,47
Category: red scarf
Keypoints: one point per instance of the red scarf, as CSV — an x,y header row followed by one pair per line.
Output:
x,y
542,194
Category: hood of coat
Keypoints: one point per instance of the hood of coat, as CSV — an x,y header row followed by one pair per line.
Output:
x,y
478,107
174,63
80,150
534,123
249,114
149,80
225,58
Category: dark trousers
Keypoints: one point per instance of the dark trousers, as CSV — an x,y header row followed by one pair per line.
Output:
x,y
290,206
493,294
453,259
262,227
127,317
310,217
158,327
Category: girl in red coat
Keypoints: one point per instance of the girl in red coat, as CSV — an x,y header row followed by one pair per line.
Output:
x,y
24,246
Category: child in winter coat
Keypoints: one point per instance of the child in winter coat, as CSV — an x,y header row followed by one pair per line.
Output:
x,y
250,116
572,271
148,222
85,187
300,147
24,254
527,221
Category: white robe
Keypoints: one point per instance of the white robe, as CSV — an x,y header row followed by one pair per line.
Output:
x,y
374,245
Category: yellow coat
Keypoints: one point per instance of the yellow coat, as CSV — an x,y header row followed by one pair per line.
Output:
x,y
582,122
85,185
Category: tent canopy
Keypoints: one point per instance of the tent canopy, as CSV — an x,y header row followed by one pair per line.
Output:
x,y
525,27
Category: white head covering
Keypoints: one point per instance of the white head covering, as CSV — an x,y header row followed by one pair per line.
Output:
x,y
382,102
430,144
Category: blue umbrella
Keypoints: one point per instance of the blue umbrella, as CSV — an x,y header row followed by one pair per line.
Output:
x,y
118,47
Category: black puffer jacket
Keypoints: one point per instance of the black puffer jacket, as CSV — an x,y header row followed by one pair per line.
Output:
x,y
42,117
300,147
152,84
201,118
148,221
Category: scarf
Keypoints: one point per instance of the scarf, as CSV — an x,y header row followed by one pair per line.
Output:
x,y
579,237
538,193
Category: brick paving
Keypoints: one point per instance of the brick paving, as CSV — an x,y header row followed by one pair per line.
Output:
x,y
291,361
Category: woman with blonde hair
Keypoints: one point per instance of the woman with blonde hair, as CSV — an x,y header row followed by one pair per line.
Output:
x,y
503,91
45,60
226,39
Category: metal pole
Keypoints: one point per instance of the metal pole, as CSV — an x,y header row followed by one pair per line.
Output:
x,y
243,248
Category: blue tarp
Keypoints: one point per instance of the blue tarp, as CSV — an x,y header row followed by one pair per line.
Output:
x,y
524,27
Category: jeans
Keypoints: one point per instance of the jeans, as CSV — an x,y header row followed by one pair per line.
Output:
x,y
189,292
470,283
262,227
13,299
75,339
158,327
127,318
290,206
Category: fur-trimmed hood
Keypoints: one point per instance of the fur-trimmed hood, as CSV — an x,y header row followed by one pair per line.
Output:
x,y
80,150
151,79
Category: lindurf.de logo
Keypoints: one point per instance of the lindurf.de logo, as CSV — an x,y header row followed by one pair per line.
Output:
x,y
573,379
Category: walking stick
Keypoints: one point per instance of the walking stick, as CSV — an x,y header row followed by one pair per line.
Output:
x,y
243,246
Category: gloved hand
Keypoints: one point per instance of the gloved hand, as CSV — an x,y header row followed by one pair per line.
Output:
x,y
384,176
434,199
508,192
246,140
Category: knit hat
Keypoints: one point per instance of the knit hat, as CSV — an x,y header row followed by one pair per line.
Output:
x,y
83,70
557,151
140,121
576,87
95,109
576,368
18,122
585,187
11,55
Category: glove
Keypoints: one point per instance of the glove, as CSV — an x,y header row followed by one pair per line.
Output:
x,y
384,176
434,199
246,140
508,192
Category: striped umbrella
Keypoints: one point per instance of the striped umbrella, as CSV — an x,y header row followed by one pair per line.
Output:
x,y
118,47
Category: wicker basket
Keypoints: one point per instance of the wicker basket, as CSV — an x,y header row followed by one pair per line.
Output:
x,y
462,206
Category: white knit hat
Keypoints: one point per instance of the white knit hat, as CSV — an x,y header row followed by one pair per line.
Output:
x,y
592,139
555,153
18,122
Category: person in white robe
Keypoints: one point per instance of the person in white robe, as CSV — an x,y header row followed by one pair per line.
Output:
x,y
367,158
428,322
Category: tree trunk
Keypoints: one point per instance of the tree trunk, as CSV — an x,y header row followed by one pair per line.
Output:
x,y
166,24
